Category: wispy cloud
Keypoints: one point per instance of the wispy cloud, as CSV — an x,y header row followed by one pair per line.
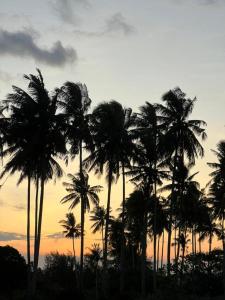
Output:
x,y
23,44
55,235
66,10
11,236
116,24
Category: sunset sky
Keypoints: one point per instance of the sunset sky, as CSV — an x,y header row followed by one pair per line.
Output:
x,y
130,51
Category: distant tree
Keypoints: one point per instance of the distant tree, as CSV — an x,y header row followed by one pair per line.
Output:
x,y
71,231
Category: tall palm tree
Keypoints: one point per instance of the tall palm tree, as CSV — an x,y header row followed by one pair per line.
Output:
x,y
71,231
79,190
75,103
180,138
112,149
149,131
217,193
36,138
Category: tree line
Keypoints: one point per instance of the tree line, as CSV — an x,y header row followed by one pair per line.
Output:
x,y
154,148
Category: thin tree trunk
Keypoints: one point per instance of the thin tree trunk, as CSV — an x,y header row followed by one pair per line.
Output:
x,y
157,268
223,241
154,239
37,243
105,253
102,239
199,244
210,243
82,220
162,250
36,209
122,254
28,237
143,255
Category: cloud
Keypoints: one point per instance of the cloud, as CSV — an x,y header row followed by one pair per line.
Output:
x,y
19,207
114,25
56,235
11,236
117,23
201,2
23,44
66,10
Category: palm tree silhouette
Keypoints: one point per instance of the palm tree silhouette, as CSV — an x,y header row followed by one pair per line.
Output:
x,y
71,231
111,151
98,217
217,193
180,139
36,138
75,103
79,190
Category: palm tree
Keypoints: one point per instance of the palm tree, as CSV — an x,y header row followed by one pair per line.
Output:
x,y
79,190
76,103
180,139
112,150
217,193
71,231
149,132
98,217
36,138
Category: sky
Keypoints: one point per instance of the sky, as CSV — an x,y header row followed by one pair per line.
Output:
x,y
130,51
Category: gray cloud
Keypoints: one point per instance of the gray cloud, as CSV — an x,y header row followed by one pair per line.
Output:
x,y
114,25
201,2
117,23
56,235
66,10
11,236
23,44
5,77
19,207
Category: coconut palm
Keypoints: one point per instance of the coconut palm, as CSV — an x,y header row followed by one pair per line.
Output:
x,y
112,151
217,193
98,217
71,231
36,138
75,103
180,139
78,190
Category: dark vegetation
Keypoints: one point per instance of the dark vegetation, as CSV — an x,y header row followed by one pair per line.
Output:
x,y
155,149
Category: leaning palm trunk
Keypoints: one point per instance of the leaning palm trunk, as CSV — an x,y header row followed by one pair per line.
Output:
x,y
105,253
122,254
37,242
28,236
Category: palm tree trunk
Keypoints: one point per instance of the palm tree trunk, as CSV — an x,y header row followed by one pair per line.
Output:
x,y
28,237
199,244
162,249
223,241
157,267
102,238
143,255
74,254
122,254
154,241
105,253
36,209
170,215
210,242
82,220
37,242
